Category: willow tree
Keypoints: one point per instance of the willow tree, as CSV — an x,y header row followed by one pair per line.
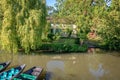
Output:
x,y
8,32
22,24
1,16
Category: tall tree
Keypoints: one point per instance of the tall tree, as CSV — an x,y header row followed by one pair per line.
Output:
x,y
81,13
110,31
1,17
22,24
103,15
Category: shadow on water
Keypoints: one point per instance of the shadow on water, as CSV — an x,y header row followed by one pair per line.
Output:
x,y
53,67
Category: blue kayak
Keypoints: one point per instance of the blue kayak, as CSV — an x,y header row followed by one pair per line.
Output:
x,y
11,73
4,65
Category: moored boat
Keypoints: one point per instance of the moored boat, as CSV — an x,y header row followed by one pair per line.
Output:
x,y
31,74
4,65
11,73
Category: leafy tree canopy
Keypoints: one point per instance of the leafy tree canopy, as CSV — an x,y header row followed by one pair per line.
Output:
x,y
22,24
102,15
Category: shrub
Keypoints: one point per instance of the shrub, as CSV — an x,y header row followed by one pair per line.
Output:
x,y
62,47
45,46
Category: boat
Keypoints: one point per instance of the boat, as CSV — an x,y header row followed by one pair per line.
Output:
x,y
31,74
4,65
11,73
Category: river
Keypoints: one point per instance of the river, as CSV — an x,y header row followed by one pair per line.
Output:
x,y
73,66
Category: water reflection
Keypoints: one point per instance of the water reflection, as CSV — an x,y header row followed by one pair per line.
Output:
x,y
20,59
100,72
70,66
53,67
56,57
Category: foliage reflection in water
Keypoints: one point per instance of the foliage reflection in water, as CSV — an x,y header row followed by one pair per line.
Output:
x,y
72,66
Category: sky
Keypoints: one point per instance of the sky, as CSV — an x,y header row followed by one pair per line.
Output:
x,y
50,2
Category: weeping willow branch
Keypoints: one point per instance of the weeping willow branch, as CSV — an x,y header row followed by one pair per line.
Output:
x,y
22,24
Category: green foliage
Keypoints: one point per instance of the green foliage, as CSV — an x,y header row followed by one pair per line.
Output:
x,y
45,47
46,31
22,24
1,16
8,32
78,12
68,40
110,29
62,47
53,37
88,14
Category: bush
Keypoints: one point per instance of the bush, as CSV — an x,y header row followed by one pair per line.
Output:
x,y
110,45
45,47
51,36
62,47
